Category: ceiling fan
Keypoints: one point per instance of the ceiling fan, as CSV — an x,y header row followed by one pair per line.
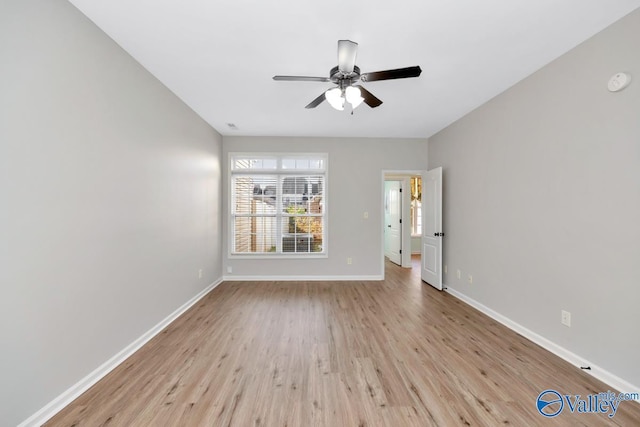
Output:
x,y
345,75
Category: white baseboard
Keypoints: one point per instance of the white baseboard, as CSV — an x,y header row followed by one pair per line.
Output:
x,y
266,278
595,371
57,404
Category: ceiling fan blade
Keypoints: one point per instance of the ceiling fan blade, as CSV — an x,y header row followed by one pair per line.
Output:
x,y
316,102
301,79
369,98
400,73
347,51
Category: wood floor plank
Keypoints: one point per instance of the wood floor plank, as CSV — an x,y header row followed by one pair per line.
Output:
x,y
370,353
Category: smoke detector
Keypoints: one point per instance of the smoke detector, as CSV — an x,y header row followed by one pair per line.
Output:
x,y
618,82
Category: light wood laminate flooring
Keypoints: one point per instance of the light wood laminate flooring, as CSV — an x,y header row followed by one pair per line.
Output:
x,y
380,353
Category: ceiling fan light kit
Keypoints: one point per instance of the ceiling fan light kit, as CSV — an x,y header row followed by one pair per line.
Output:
x,y
345,75
334,98
353,96
337,96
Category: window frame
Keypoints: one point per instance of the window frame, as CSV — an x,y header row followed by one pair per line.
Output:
x,y
416,214
416,210
280,173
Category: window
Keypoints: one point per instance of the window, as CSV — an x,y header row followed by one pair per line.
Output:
x,y
278,204
416,206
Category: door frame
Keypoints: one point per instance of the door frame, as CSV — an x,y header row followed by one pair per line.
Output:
x,y
404,176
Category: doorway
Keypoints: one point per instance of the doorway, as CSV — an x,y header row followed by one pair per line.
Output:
x,y
402,227
420,222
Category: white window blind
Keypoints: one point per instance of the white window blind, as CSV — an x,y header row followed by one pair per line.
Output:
x,y
278,204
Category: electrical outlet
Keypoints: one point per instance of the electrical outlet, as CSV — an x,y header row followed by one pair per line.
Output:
x,y
445,269
458,274
566,318
349,261
470,278
229,269
200,274
366,215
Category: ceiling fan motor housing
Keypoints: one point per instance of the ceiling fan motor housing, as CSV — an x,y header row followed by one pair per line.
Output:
x,y
337,76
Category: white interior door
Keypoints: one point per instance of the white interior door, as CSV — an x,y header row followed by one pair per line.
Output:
x,y
393,224
432,228
386,234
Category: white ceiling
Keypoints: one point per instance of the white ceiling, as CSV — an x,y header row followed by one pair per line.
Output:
x,y
219,56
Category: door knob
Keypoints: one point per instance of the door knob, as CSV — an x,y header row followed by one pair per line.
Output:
x,y
389,225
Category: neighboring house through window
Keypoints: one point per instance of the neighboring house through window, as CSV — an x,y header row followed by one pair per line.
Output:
x,y
278,204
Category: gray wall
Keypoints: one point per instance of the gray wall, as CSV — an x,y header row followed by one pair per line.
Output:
x,y
110,202
542,201
355,187
415,244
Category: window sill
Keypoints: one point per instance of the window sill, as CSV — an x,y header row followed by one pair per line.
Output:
x,y
278,256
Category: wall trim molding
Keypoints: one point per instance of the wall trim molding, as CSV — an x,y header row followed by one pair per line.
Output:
x,y
272,278
73,392
576,360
